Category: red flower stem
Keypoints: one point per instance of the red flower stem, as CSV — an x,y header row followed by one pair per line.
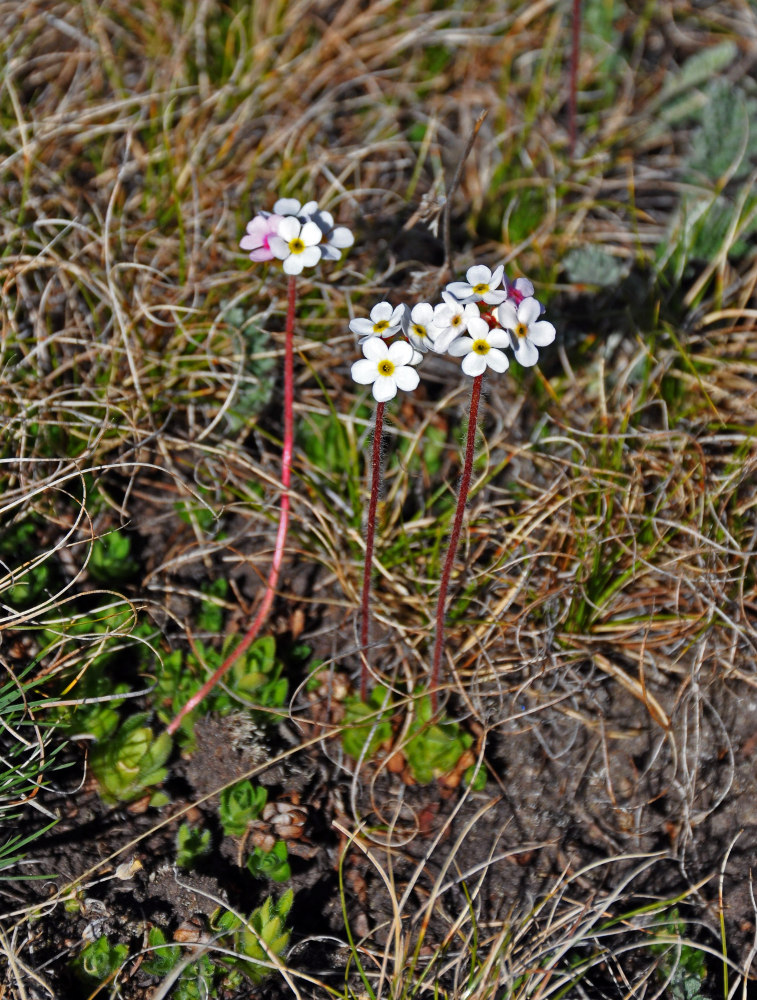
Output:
x,y
575,48
370,534
454,538
281,533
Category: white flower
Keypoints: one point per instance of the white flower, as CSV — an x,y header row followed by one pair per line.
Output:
x,y
481,284
451,320
526,334
481,349
384,322
386,367
334,238
296,244
418,327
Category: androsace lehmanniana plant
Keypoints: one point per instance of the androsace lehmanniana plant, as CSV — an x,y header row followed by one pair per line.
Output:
x,y
299,236
386,368
478,320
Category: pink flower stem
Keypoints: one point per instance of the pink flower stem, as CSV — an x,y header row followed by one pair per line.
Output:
x,y
454,538
370,534
574,52
281,533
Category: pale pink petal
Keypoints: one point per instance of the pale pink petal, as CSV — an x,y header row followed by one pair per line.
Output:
x,y
261,253
523,286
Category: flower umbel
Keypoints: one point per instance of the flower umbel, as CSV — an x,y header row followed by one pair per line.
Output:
x,y
387,368
525,330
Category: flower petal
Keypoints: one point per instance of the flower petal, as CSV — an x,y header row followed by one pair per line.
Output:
x,y
479,274
406,378
364,371
498,338
460,289
474,364
310,234
361,326
525,352
524,287
279,247
375,349
293,265
250,242
341,237
497,361
507,315
496,279
287,206
541,333
423,314
400,352
528,311
382,310
460,347
261,253
443,340
289,227
478,327
310,256
384,389
494,298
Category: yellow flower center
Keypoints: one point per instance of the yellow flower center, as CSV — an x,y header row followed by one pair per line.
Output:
x,y
456,320
521,330
481,288
386,367
420,330
380,326
296,245
481,346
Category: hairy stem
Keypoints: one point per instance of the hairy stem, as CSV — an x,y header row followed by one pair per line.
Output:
x,y
454,538
281,533
370,534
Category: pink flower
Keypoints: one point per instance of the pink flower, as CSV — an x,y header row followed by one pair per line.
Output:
x,y
259,231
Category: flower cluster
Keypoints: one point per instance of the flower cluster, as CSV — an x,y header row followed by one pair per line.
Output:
x,y
477,320
298,235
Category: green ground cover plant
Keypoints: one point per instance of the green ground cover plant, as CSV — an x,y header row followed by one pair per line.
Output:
x,y
472,685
